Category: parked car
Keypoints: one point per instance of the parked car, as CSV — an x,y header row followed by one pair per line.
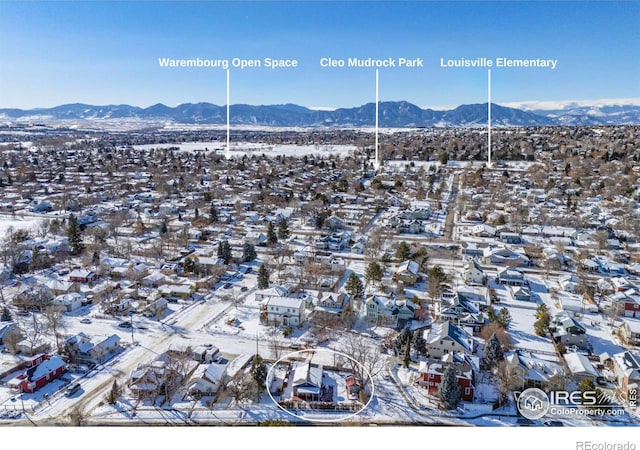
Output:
x,y
75,387
124,324
85,320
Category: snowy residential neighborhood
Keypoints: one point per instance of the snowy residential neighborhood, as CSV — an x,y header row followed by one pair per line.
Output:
x,y
149,280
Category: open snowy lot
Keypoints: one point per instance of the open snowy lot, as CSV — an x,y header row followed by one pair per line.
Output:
x,y
248,148
18,223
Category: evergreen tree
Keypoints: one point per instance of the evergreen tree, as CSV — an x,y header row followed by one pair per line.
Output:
x,y
74,235
283,230
504,318
213,214
436,278
224,251
402,339
6,315
259,373
403,252
163,227
196,213
406,358
491,313
95,258
248,252
189,265
449,390
139,226
493,352
419,343
114,393
272,237
354,286
263,277
374,272
541,326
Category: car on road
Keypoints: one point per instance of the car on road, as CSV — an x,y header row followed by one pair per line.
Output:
x,y
75,387
228,286
85,320
244,289
124,324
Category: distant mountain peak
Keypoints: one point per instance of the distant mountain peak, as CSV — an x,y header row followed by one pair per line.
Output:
x,y
400,114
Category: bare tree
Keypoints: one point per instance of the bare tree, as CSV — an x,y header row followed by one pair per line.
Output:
x,y
11,340
176,371
322,324
242,390
9,248
115,222
34,335
503,373
77,417
43,229
53,316
601,237
274,339
506,343
314,273
365,360
389,340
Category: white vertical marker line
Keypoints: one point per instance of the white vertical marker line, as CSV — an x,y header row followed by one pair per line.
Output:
x,y
377,106
489,117
228,117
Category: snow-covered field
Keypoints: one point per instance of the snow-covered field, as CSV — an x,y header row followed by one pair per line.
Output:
x,y
17,223
243,148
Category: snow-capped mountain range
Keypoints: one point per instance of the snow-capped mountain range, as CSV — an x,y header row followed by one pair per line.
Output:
x,y
391,114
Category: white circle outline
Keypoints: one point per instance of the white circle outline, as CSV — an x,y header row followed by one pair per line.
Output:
x,y
321,420
528,415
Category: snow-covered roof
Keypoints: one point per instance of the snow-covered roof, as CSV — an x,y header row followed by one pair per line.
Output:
x,y
46,367
285,302
306,374
580,364
632,324
629,362
452,331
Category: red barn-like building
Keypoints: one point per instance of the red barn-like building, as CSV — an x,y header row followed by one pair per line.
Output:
x,y
40,375
431,378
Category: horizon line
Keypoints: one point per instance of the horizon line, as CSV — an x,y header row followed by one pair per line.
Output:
x,y
528,105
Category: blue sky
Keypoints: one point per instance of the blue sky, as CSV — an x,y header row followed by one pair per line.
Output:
x,y
60,52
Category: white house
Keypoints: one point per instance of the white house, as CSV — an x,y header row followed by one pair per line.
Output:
x,y
81,348
408,272
473,273
207,379
448,338
580,367
383,311
505,256
331,303
274,291
284,310
69,302
512,277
